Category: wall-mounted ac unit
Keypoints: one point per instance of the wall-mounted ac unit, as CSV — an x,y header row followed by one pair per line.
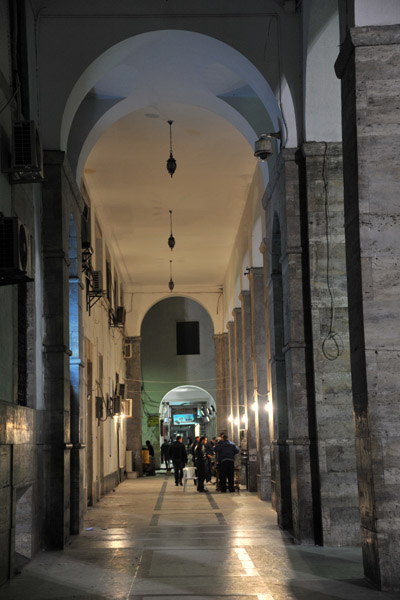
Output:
x,y
127,407
97,282
116,405
15,251
128,351
26,153
120,315
86,233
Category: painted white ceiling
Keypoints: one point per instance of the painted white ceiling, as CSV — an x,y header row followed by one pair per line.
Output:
x,y
126,175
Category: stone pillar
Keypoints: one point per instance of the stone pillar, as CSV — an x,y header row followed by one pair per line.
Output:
x,y
330,340
133,379
54,435
248,376
228,385
260,377
368,67
238,400
221,382
298,366
232,378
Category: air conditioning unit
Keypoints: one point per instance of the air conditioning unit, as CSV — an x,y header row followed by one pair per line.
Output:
x,y
120,315
97,282
15,251
127,407
128,351
26,153
116,405
86,234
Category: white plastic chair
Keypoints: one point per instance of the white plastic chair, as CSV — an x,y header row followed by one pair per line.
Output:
x,y
188,473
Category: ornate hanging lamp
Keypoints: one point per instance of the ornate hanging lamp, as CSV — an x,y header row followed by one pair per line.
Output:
x,y
171,239
171,162
171,283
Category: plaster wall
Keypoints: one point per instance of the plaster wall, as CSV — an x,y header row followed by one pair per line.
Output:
x,y
322,106
246,247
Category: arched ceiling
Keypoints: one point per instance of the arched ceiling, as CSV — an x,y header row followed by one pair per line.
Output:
x,y
120,139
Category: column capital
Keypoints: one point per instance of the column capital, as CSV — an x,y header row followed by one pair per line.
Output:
x,y
381,35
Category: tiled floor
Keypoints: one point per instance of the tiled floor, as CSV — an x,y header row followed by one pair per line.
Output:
x,y
150,540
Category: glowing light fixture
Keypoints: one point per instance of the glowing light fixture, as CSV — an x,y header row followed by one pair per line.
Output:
x,y
171,162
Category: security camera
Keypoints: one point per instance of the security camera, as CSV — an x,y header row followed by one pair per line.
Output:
x,y
263,146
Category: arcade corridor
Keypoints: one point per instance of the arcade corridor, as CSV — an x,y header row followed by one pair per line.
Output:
x,y
150,540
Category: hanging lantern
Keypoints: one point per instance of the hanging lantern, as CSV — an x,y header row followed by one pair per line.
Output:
x,y
171,162
171,283
171,239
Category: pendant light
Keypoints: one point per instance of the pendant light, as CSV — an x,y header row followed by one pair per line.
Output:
x,y
171,162
171,283
171,239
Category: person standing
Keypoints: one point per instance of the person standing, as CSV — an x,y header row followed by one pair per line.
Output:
x,y
209,451
152,464
165,453
225,452
178,456
200,454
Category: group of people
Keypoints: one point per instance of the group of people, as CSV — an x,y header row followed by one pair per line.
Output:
x,y
218,453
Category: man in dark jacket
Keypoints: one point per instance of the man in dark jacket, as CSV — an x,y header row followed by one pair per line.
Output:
x,y
178,456
165,454
225,452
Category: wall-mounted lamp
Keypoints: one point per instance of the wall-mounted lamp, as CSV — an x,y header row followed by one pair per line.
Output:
x,y
263,146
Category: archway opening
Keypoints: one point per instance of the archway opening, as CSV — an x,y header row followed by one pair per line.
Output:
x,y
187,411
177,353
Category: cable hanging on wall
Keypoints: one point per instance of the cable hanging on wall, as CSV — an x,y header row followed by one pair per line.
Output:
x,y
332,344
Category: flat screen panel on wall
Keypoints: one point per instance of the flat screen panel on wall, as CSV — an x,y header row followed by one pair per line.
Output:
x,y
183,419
187,337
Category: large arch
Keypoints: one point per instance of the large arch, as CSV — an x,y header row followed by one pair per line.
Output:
x,y
227,76
165,365
171,67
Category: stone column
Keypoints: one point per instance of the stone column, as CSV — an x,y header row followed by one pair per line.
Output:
x,y
54,433
259,352
238,400
221,382
298,366
133,379
248,376
368,67
232,377
228,385
330,340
